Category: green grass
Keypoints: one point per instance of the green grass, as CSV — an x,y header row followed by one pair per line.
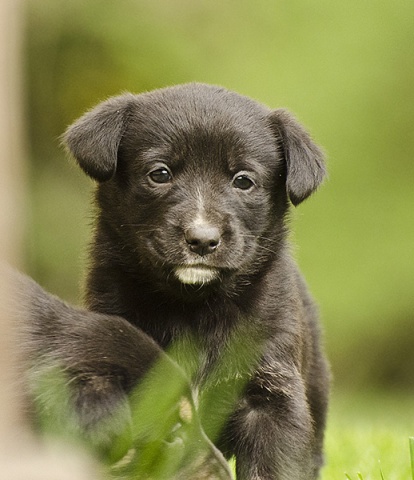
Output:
x,y
412,455
368,437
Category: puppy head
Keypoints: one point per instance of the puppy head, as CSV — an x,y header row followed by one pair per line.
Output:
x,y
194,180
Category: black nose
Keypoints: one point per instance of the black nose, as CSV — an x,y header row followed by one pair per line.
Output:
x,y
202,239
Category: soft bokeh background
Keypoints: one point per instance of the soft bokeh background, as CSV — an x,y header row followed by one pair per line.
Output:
x,y
346,69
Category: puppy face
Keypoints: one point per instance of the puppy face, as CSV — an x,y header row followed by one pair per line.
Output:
x,y
195,180
197,192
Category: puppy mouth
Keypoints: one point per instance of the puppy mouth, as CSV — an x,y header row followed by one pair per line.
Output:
x,y
196,274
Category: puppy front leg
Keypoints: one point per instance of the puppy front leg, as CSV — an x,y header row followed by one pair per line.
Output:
x,y
274,435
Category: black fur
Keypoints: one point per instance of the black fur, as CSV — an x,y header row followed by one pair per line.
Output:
x,y
77,368
190,246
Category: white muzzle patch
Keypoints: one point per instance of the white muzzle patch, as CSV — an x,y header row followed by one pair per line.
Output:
x,y
196,275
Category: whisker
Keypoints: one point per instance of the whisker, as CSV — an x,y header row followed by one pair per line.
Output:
x,y
139,230
261,237
136,225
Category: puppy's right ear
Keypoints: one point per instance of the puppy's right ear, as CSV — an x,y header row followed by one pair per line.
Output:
x,y
304,159
95,137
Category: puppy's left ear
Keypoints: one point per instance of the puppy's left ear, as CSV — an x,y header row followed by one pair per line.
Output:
x,y
94,138
305,166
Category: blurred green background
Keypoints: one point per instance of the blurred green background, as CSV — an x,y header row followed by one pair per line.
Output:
x,y
346,69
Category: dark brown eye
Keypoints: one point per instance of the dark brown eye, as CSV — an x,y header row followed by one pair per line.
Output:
x,y
161,175
243,182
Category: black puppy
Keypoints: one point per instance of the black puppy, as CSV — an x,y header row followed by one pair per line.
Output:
x,y
77,369
191,246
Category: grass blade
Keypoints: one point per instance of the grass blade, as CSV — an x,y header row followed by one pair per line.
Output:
x,y
412,455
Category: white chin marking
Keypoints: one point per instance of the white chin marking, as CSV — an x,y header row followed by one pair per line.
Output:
x,y
197,275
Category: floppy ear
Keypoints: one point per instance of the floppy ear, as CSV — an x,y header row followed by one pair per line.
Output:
x,y
304,160
95,137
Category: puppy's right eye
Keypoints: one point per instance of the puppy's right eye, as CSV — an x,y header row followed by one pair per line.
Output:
x,y
243,182
161,175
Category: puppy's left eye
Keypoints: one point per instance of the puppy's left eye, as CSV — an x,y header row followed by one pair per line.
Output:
x,y
243,182
161,175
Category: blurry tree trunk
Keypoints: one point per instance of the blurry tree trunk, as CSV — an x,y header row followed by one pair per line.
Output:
x,y
11,192
20,455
